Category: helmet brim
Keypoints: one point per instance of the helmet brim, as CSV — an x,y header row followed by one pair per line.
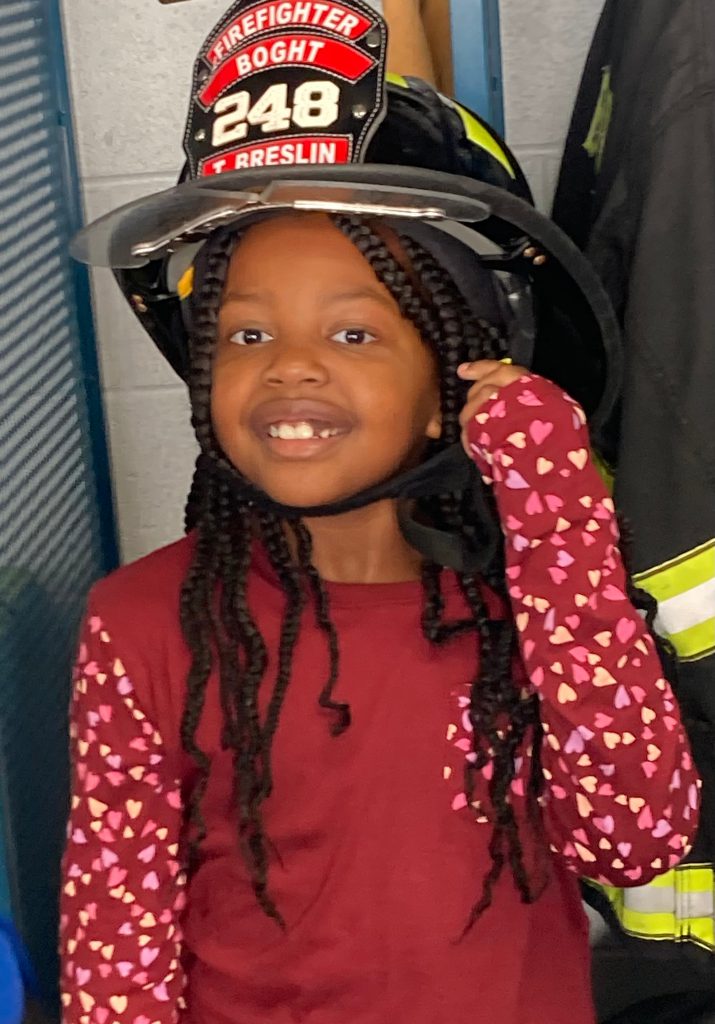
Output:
x,y
152,227
578,342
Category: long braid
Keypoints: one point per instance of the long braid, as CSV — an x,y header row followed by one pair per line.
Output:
x,y
276,544
197,594
322,610
222,556
192,510
195,618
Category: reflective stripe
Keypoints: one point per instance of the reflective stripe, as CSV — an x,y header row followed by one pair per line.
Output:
x,y
678,906
696,642
649,900
481,136
595,143
685,591
652,900
680,574
682,611
477,133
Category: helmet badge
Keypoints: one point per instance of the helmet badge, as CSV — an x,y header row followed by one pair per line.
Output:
x,y
283,82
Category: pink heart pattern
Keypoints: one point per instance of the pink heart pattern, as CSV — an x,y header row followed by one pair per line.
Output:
x,y
604,702
123,839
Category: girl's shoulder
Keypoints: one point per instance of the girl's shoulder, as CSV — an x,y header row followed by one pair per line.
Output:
x,y
132,630
143,596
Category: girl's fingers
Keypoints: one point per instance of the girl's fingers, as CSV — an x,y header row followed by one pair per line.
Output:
x,y
496,374
477,371
489,376
482,391
477,398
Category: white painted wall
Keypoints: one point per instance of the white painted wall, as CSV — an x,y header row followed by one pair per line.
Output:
x,y
544,47
130,65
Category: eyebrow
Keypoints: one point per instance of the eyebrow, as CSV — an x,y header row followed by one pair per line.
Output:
x,y
364,293
346,296
245,297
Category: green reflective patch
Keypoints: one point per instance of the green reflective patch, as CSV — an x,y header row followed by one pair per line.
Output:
x,y
595,143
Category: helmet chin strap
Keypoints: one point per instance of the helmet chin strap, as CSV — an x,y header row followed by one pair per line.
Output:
x,y
448,472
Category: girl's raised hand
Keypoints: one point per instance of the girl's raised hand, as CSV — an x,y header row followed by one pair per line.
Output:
x,y
489,376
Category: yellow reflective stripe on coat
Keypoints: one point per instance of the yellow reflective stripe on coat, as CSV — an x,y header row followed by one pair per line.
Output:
x,y
685,591
678,906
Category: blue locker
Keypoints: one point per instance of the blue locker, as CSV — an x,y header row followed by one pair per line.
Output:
x,y
56,527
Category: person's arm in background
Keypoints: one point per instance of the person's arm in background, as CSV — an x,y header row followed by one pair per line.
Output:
x,y
420,40
438,28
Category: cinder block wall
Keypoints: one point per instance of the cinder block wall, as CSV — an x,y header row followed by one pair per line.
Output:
x,y
544,47
130,65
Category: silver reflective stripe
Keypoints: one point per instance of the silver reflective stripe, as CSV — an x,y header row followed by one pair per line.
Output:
x,y
688,609
648,900
651,900
678,905
696,904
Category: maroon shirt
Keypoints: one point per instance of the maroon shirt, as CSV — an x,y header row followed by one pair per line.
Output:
x,y
379,859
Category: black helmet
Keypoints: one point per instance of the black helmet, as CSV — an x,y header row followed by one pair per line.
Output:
x,y
396,148
423,128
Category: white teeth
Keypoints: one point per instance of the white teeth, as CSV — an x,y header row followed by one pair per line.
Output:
x,y
287,432
299,431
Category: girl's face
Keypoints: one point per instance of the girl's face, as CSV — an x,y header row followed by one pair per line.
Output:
x,y
320,387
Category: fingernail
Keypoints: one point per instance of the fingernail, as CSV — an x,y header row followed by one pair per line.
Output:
x,y
507,360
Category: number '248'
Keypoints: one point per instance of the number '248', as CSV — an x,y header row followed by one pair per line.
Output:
x,y
315,105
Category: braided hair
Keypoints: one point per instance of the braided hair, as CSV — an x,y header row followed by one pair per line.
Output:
x,y
218,625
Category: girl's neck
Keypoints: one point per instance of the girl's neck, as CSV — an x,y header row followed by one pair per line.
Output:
x,y
363,546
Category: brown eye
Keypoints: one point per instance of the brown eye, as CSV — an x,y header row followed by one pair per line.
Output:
x,y
250,336
354,336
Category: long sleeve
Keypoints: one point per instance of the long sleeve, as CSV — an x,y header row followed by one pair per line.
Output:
x,y
122,883
622,790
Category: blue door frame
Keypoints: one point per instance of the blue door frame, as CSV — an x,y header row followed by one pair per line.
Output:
x,y
57,530
477,58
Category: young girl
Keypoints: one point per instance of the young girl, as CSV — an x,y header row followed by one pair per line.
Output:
x,y
317,776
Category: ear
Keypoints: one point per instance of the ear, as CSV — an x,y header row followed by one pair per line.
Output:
x,y
433,430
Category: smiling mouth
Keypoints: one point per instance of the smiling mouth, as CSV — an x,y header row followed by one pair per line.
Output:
x,y
300,428
303,430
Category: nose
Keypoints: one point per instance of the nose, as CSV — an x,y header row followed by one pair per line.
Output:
x,y
295,362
